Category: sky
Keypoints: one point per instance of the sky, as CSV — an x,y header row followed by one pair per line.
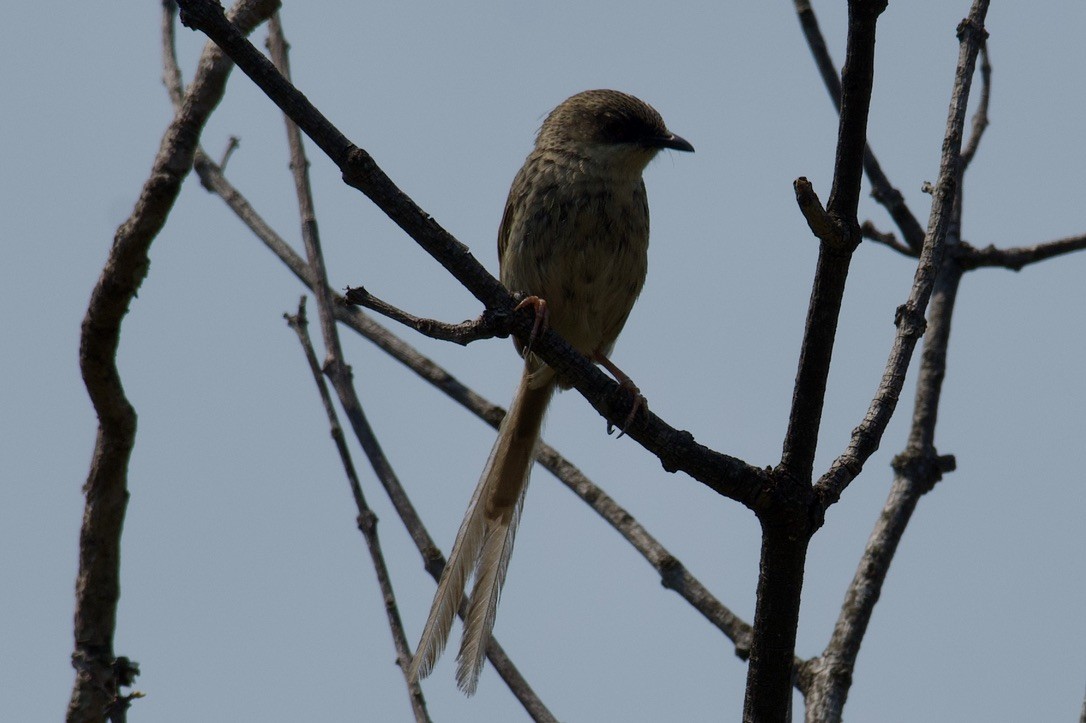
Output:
x,y
246,589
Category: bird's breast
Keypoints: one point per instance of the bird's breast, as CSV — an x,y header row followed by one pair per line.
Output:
x,y
582,245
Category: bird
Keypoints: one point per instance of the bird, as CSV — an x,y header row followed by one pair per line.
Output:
x,y
573,241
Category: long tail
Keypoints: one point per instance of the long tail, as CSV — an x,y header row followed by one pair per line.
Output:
x,y
485,540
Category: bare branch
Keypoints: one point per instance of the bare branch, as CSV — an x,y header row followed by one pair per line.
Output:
x,y
1016,258
869,231
673,574
881,188
788,524
488,325
340,374
97,678
231,146
367,520
839,231
828,677
910,317
821,224
676,449
980,118
171,71
358,168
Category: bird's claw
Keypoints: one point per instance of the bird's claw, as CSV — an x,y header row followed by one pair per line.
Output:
x,y
639,403
539,305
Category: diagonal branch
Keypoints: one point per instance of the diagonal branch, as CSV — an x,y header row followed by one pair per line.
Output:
x,y
673,574
367,520
676,449
828,677
910,316
98,673
888,239
340,374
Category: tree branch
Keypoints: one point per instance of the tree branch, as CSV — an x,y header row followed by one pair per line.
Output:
x,y
673,574
788,524
1018,257
840,234
910,315
340,374
888,239
98,677
980,118
488,325
367,520
881,188
676,449
828,677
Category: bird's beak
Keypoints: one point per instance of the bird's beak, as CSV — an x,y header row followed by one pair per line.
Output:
x,y
674,142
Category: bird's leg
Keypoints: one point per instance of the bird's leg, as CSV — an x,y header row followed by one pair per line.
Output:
x,y
539,305
626,383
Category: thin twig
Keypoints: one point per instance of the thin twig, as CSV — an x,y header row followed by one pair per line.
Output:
x,y
980,118
488,325
881,188
828,676
888,239
1017,257
822,225
367,520
231,146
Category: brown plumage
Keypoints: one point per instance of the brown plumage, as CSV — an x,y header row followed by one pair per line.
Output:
x,y
575,233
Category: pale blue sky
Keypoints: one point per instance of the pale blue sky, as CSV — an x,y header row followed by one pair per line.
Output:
x,y
246,591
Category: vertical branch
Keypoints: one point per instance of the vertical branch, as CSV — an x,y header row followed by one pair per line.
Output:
x,y
980,118
99,675
367,520
776,620
787,525
837,244
857,77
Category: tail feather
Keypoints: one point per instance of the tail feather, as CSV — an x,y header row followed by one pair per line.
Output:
x,y
485,541
483,607
450,590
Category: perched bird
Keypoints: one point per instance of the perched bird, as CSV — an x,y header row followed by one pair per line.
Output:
x,y
574,237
